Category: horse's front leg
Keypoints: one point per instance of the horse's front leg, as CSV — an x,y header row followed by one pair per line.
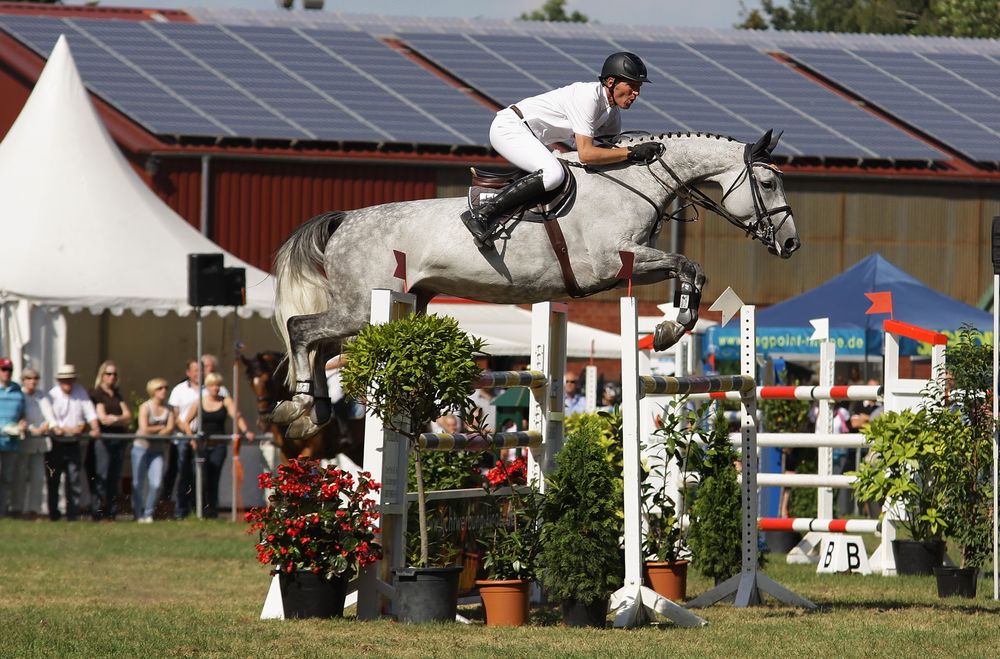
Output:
x,y
310,424
650,266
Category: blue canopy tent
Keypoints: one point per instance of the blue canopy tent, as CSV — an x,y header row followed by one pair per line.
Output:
x,y
784,328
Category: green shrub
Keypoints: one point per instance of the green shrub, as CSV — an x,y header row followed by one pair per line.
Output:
x,y
581,558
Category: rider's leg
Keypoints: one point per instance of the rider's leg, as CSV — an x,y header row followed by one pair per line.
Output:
x,y
512,140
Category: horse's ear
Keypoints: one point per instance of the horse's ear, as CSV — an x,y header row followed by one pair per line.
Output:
x,y
246,362
774,141
760,146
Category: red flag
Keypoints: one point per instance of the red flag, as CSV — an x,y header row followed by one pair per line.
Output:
x,y
881,303
628,261
400,272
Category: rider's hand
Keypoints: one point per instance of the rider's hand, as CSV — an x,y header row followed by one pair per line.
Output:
x,y
645,153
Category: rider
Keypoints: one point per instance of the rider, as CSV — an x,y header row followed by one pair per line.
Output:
x,y
581,110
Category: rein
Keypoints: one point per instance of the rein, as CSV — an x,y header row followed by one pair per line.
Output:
x,y
761,228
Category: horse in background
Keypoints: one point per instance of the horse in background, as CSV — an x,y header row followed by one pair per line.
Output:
x,y
267,372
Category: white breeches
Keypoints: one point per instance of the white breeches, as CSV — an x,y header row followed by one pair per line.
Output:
x,y
513,140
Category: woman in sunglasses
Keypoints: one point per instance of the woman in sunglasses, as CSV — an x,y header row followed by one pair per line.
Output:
x,y
106,456
156,417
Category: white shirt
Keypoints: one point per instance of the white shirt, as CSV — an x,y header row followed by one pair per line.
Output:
x,y
73,409
184,396
578,108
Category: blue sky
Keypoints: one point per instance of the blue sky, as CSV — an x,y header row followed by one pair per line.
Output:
x,y
696,13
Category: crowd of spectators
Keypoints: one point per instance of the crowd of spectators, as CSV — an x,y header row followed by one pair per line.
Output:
x,y
51,441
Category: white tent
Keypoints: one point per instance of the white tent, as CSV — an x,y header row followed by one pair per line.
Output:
x,y
507,330
82,231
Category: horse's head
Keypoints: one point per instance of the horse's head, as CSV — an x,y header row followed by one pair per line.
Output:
x,y
261,371
755,198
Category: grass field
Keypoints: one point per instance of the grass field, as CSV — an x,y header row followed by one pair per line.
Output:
x,y
195,589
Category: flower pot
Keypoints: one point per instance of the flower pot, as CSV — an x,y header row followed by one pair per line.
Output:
x,y
471,561
668,579
917,558
309,595
505,601
427,594
584,614
781,542
955,581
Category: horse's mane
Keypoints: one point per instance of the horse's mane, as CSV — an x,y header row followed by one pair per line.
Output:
x,y
642,136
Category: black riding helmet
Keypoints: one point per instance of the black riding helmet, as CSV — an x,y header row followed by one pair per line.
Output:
x,y
626,66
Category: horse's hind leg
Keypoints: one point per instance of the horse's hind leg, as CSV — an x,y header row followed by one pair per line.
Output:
x,y
306,333
310,424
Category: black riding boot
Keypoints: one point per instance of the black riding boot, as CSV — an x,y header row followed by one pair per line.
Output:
x,y
484,220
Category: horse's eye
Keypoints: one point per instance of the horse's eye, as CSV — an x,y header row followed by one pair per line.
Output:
x,y
768,184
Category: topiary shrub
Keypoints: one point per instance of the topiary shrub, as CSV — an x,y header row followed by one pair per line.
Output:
x,y
581,559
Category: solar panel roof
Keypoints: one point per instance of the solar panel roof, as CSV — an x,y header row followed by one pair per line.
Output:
x,y
261,82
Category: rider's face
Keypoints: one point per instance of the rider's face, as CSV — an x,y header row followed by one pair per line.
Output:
x,y
624,93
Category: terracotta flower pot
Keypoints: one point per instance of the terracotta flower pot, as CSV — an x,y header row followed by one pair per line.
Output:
x,y
505,602
668,579
471,561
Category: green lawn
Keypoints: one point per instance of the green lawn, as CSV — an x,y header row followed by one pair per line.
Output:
x,y
194,589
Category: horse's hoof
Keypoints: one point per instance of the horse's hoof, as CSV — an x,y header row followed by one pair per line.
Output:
x,y
667,334
302,428
288,411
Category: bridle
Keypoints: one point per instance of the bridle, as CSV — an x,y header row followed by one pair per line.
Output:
x,y
761,227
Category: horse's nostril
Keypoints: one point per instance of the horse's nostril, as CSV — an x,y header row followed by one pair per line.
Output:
x,y
792,244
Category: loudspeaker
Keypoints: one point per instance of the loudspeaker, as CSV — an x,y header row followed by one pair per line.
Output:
x,y
234,284
205,280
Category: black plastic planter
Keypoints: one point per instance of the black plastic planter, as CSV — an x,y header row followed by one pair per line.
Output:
x,y
585,614
956,581
427,594
917,558
309,595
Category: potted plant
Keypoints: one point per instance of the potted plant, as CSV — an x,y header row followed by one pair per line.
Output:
x,y
966,465
581,561
317,530
409,372
904,469
510,550
665,542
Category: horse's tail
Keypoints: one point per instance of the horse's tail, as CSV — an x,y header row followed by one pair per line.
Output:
x,y
301,283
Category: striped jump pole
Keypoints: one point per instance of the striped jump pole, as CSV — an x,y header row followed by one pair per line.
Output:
x,y
815,525
439,441
838,393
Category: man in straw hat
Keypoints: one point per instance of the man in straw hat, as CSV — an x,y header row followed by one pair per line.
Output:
x,y
73,412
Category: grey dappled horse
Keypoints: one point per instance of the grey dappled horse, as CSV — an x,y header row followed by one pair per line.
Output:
x,y
328,267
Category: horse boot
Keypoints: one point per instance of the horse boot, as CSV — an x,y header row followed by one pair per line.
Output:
x,y
482,222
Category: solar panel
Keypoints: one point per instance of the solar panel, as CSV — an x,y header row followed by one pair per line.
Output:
x,y
135,95
906,101
825,111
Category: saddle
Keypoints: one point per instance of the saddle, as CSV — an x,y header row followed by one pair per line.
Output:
x,y
549,206
485,184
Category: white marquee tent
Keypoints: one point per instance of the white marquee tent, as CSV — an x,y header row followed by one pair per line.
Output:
x,y
82,232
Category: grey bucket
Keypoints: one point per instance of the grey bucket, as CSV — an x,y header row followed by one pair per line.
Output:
x,y
427,594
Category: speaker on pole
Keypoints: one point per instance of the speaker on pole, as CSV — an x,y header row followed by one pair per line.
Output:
x,y
205,280
234,285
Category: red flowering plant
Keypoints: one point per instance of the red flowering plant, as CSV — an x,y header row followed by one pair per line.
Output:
x,y
318,519
511,549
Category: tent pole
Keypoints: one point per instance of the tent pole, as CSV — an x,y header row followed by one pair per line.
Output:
x,y
996,404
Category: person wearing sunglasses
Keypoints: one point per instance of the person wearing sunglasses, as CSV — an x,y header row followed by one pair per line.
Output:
x,y
156,417
574,401
12,427
106,456
30,477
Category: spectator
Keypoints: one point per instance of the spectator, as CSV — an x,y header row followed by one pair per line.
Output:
x,y
30,477
73,412
215,409
106,456
483,398
156,417
574,400
448,424
610,397
180,458
210,364
12,426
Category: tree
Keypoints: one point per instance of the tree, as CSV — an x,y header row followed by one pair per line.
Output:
x,y
554,11
956,18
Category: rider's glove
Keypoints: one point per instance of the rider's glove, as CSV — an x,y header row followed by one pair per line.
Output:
x,y
645,153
